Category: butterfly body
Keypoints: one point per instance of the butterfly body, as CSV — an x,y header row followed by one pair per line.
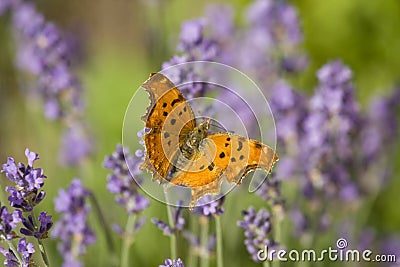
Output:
x,y
183,153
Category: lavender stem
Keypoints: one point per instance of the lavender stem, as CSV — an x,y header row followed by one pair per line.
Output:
x,y
172,225
106,229
204,223
128,240
192,258
218,228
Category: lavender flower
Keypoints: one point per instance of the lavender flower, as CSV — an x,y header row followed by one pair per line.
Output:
x,y
72,228
27,250
381,127
43,53
28,181
5,6
172,263
8,222
206,206
10,258
30,229
75,145
257,226
121,181
178,223
193,46
331,128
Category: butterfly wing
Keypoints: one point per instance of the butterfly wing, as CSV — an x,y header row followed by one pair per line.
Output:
x,y
169,118
224,154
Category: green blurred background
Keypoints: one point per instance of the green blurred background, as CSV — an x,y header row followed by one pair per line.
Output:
x,y
123,41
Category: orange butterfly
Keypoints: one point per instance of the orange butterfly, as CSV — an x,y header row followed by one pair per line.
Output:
x,y
183,153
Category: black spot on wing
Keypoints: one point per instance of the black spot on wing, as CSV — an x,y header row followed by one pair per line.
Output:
x,y
211,166
165,114
240,146
173,121
164,105
233,160
175,101
166,135
241,157
222,155
258,145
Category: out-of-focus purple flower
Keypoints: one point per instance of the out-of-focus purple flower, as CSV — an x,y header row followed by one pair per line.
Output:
x,y
10,258
27,250
28,180
8,222
289,108
270,191
300,222
172,263
43,53
331,130
219,18
178,223
75,145
72,228
391,246
277,20
381,126
195,244
29,228
257,227
123,180
206,206
5,6
193,46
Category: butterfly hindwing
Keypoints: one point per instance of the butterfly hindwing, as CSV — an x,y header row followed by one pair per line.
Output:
x,y
168,116
224,155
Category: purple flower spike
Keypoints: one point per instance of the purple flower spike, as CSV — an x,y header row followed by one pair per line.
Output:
x,y
8,222
208,207
179,223
10,258
257,226
44,54
123,181
72,228
30,229
28,180
172,263
26,249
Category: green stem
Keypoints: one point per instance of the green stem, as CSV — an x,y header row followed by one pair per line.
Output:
x,y
106,229
204,259
172,225
266,263
192,259
218,228
128,240
278,236
12,247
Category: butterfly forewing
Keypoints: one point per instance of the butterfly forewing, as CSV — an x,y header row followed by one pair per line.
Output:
x,y
168,115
